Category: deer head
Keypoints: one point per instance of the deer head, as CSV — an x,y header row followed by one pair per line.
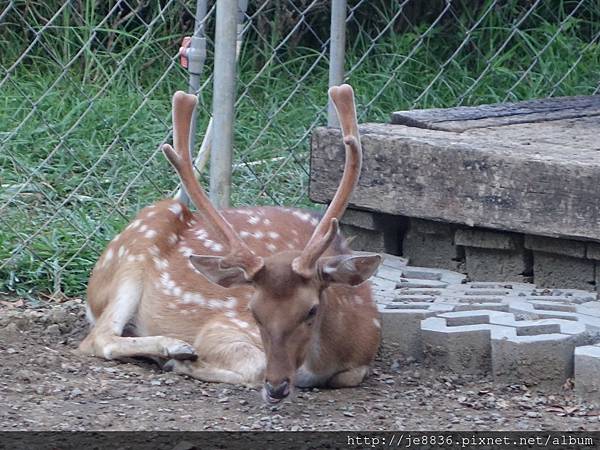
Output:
x,y
288,302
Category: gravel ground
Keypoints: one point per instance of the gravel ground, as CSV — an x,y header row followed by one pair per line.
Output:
x,y
46,385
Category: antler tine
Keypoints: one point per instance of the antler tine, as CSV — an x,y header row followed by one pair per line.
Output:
x,y
343,100
179,157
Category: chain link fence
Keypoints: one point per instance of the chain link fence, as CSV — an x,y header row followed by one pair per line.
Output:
x,y
86,85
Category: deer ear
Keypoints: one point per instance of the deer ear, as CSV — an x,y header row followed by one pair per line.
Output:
x,y
212,268
348,269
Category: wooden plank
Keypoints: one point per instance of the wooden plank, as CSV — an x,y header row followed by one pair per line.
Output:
x,y
541,178
501,114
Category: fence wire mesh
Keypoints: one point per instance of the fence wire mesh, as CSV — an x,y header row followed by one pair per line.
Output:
x,y
86,85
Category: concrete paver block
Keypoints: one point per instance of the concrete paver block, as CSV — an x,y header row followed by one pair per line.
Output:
x,y
499,265
537,353
514,330
431,244
587,370
362,239
558,271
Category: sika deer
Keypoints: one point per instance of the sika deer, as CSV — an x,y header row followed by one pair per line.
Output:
x,y
246,295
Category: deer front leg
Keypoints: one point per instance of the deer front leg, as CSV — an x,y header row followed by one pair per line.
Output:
x,y
204,372
106,340
226,354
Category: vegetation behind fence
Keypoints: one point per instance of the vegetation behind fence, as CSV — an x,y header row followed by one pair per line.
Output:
x,y
85,101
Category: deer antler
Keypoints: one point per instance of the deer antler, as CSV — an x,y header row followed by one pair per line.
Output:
x,y
179,157
343,100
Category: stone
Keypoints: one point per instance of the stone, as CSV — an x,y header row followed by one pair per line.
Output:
x,y
485,264
543,361
565,247
372,232
537,353
554,270
514,331
537,178
431,244
361,239
587,368
592,251
402,325
488,239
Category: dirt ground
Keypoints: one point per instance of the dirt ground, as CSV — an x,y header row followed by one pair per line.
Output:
x,y
46,385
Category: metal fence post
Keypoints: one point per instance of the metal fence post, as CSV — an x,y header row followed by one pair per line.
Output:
x,y
196,57
223,102
337,48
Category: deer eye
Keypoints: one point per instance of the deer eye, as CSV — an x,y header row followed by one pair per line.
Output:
x,y
312,313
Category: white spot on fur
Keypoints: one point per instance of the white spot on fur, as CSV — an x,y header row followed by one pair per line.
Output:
x,y
231,302
253,220
314,221
165,279
377,323
151,213
177,291
201,233
192,298
215,304
304,217
240,323
216,247
186,251
231,314
143,228
259,235
150,234
161,263
154,251
172,238
273,235
121,251
245,234
358,300
272,248
131,258
108,257
267,222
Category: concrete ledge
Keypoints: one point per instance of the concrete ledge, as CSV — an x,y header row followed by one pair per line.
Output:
x,y
575,249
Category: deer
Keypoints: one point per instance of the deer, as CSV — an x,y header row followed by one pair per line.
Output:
x,y
253,295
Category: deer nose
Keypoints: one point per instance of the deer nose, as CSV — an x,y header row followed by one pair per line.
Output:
x,y
278,391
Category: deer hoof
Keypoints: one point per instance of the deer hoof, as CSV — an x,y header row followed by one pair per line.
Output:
x,y
181,351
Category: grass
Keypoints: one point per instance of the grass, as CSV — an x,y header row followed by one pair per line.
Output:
x,y
75,170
